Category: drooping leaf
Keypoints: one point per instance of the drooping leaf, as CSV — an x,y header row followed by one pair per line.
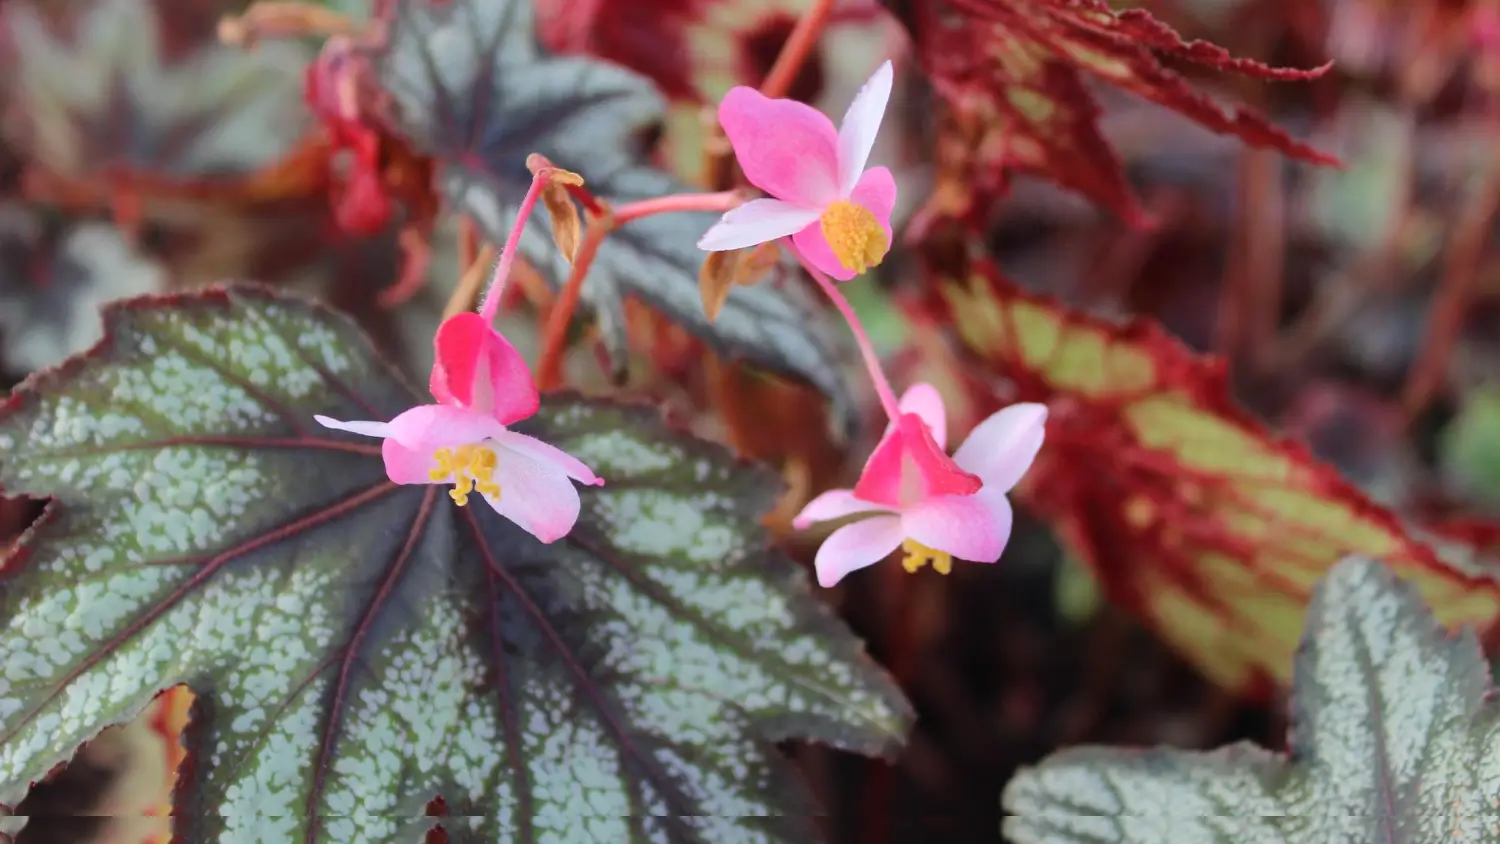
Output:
x,y
53,281
1393,738
358,648
142,90
1188,510
1015,71
471,87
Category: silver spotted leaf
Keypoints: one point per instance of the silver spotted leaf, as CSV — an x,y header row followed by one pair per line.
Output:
x,y
144,88
360,648
470,86
1394,738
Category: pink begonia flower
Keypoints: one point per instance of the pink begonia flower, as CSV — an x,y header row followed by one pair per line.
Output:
x,y
482,385
918,498
837,212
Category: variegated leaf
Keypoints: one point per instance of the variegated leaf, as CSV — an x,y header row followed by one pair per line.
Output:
x,y
359,648
1394,738
470,85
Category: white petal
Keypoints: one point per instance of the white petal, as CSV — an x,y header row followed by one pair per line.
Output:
x,y
1000,449
861,125
369,429
755,222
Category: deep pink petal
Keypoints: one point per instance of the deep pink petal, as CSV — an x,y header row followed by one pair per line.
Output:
x,y
786,148
536,495
367,429
405,466
478,369
814,247
833,504
429,427
908,466
755,222
876,193
1001,448
862,124
925,401
970,527
547,453
856,546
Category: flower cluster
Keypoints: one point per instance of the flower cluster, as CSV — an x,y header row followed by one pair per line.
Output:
x,y
833,213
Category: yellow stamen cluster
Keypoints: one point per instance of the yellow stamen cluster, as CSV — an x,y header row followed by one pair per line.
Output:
x,y
918,555
856,237
470,467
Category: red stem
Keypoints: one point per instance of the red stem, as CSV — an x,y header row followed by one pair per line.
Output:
x,y
496,290
862,339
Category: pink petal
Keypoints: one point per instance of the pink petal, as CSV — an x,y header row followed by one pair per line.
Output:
x,y
856,546
786,148
367,429
908,466
478,369
1000,449
861,125
757,221
833,504
405,466
814,247
925,401
428,427
970,527
536,495
547,453
876,192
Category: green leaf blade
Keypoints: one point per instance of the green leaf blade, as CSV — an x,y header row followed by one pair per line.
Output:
x,y
358,647
1394,738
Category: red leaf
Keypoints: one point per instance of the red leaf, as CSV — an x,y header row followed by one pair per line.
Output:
x,y
1189,512
1019,64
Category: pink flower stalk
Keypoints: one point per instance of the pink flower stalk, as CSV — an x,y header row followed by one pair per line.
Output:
x,y
837,213
482,385
917,498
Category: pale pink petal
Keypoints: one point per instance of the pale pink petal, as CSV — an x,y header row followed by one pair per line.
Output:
x,y
1000,449
861,125
856,546
429,427
755,222
536,495
476,368
405,466
926,402
970,527
367,429
833,504
814,247
547,453
876,193
786,148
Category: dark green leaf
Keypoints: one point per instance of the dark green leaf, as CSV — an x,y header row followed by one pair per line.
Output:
x,y
471,86
1393,739
360,647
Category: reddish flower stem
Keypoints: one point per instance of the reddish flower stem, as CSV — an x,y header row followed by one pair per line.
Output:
x,y
719,202
555,332
794,52
861,338
496,291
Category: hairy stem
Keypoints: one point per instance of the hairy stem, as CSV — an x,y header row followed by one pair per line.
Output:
x,y
861,338
492,297
719,202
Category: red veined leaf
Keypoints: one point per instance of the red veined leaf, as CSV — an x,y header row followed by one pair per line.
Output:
x,y
1187,509
358,647
1017,67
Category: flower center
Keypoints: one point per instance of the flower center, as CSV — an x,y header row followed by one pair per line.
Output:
x,y
470,467
918,555
856,237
